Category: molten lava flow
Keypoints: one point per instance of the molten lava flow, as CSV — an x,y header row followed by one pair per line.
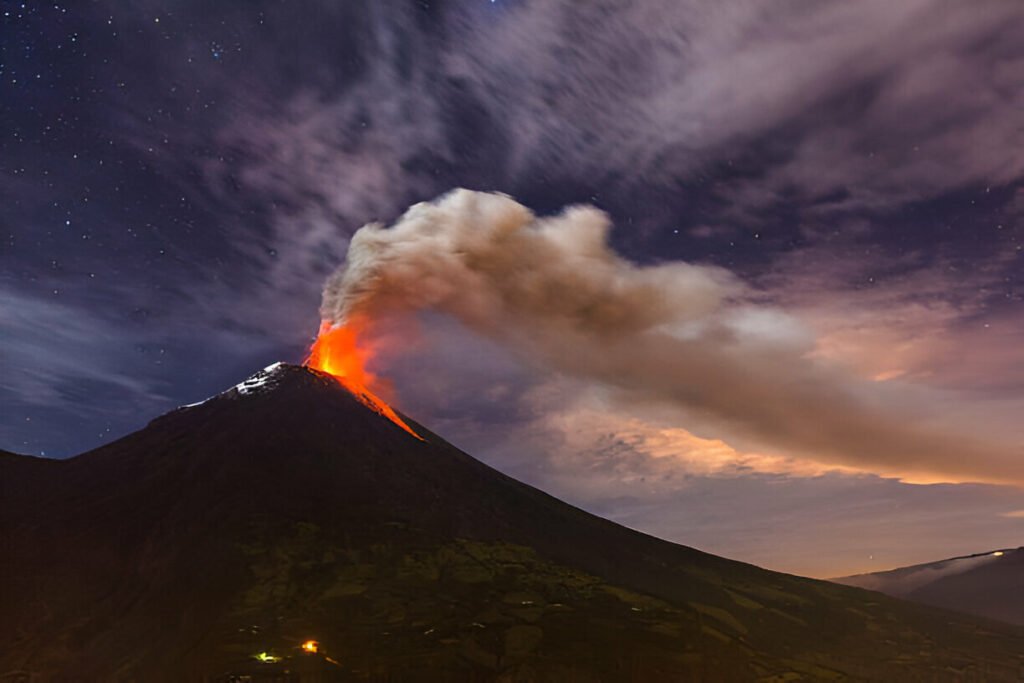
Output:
x,y
337,352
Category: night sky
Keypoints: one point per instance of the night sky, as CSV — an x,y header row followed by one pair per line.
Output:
x,y
178,179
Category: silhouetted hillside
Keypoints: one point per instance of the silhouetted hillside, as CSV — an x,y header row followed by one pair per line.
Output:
x,y
988,584
284,510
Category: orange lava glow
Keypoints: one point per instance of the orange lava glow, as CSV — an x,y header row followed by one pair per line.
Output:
x,y
338,352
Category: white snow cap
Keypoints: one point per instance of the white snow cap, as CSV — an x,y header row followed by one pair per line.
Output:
x,y
262,380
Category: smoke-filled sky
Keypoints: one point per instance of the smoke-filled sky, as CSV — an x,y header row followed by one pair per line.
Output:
x,y
787,330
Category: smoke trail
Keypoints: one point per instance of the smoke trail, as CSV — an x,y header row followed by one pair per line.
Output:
x,y
555,292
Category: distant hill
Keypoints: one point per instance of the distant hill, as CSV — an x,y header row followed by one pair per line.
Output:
x,y
989,584
285,509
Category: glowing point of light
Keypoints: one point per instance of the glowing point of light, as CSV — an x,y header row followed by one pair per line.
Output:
x,y
266,658
311,646
998,553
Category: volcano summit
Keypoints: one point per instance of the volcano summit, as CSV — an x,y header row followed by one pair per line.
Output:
x,y
288,509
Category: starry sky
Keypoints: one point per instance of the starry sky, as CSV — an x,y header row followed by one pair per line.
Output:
x,y
178,178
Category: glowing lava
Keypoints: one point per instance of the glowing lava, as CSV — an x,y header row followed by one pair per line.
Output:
x,y
337,352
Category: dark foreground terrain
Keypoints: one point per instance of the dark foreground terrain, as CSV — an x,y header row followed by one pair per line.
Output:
x,y
286,510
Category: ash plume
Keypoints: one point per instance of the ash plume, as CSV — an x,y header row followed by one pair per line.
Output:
x,y
553,291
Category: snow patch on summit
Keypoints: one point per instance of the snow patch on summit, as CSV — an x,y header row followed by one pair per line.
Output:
x,y
266,378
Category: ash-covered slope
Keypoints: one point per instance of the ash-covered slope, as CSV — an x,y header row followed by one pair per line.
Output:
x,y
989,584
286,509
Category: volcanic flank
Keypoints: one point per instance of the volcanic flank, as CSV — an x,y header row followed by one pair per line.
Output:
x,y
289,509
338,353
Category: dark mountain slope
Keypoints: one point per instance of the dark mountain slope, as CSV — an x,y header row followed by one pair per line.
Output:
x,y
988,584
285,509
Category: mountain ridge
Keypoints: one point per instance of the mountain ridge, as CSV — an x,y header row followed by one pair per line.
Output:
x,y
285,509
988,584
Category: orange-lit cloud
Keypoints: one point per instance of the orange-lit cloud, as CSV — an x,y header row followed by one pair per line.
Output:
x,y
688,336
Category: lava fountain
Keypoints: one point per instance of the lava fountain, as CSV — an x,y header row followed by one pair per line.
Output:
x,y
338,352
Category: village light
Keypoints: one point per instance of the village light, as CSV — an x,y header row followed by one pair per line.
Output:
x,y
311,646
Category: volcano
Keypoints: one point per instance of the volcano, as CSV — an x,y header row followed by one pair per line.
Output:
x,y
287,515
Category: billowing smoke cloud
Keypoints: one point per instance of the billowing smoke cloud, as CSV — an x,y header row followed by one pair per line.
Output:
x,y
555,292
